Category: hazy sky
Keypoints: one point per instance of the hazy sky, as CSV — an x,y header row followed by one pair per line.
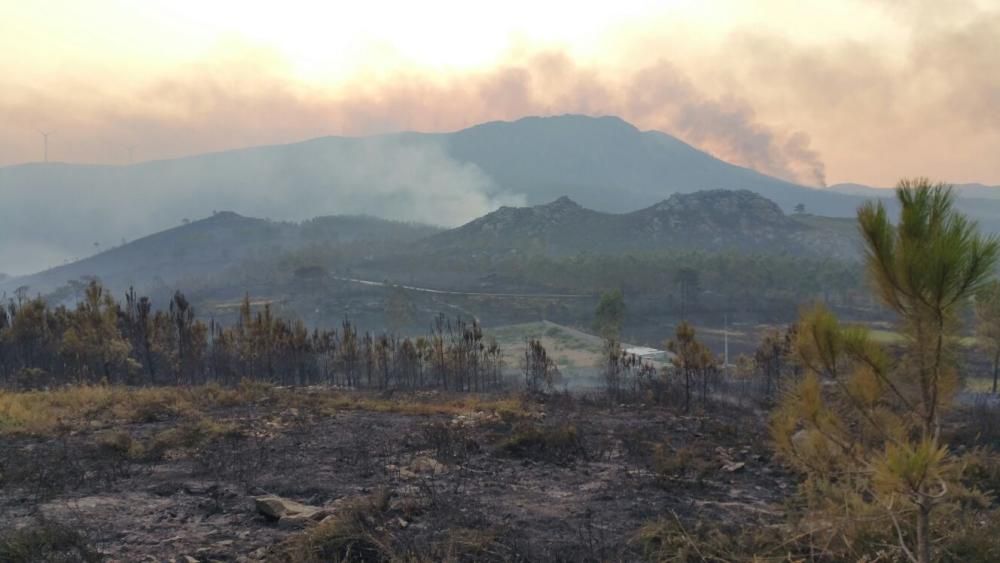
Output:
x,y
818,91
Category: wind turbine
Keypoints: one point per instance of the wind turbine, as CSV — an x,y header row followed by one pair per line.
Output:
x,y
45,136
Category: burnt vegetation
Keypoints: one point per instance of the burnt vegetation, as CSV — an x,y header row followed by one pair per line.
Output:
x,y
105,341
130,431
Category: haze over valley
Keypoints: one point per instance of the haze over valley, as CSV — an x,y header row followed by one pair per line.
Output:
x,y
603,163
304,282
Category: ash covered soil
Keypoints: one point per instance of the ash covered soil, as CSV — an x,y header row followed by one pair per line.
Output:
x,y
559,479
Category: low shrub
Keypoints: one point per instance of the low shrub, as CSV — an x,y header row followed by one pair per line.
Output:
x,y
47,541
355,533
688,462
450,443
558,443
667,540
189,435
113,454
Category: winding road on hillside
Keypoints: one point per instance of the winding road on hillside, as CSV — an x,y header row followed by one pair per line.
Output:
x,y
462,293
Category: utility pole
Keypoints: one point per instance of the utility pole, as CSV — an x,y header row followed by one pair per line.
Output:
x,y
725,345
45,137
130,149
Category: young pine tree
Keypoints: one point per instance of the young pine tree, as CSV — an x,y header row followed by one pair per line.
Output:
x,y
92,343
610,314
691,358
864,424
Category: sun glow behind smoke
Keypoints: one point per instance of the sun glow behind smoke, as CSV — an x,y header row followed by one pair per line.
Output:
x,y
335,40
844,80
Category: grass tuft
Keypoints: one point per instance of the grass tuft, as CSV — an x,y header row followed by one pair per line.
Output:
x,y
355,533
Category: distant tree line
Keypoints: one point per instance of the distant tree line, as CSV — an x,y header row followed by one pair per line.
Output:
x,y
683,282
104,340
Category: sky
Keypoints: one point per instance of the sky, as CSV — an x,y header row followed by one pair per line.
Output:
x,y
818,92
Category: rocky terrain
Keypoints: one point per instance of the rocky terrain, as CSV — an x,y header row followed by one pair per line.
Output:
x,y
706,221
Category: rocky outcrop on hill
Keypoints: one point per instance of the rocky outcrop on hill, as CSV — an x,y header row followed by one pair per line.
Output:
x,y
712,221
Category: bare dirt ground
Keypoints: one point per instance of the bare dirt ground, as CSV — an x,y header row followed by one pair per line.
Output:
x,y
567,479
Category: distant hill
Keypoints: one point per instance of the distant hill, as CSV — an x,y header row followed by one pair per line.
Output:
x,y
965,191
209,246
54,212
609,165
215,248
711,221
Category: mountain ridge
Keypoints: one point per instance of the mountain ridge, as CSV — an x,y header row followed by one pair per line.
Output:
x,y
208,246
57,211
710,221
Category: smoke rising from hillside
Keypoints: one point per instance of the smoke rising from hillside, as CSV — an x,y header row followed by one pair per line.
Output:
x,y
922,102
40,226
225,105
